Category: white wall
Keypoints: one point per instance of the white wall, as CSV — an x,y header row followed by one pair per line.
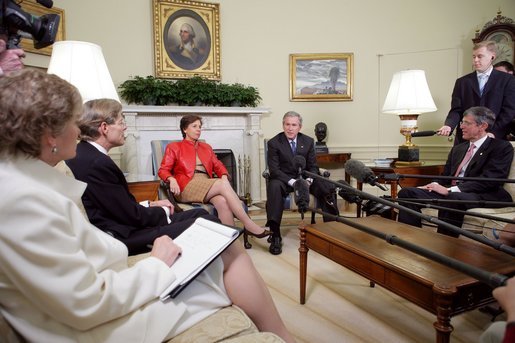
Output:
x,y
258,36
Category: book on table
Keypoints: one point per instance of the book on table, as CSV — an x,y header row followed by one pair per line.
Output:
x,y
201,243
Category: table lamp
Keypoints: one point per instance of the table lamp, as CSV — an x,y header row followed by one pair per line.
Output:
x,y
408,97
83,65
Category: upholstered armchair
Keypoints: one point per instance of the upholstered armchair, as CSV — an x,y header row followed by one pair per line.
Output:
x,y
289,203
158,148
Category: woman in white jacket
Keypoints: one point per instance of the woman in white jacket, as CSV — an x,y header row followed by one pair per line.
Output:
x,y
64,280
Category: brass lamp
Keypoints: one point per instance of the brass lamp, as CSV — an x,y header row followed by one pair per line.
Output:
x,y
408,97
83,65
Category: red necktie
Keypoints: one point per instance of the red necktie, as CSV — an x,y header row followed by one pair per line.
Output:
x,y
465,160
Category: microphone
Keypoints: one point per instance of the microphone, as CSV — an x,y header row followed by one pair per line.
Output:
x,y
347,193
433,220
299,162
46,3
423,133
301,195
362,173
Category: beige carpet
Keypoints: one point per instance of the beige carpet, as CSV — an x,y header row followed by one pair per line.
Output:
x,y
340,305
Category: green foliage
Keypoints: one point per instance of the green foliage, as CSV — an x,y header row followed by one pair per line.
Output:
x,y
148,91
187,92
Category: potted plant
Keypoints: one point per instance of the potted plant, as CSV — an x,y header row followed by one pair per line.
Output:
x,y
195,91
148,91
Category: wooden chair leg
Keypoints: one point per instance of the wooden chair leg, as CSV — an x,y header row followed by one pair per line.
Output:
x,y
246,242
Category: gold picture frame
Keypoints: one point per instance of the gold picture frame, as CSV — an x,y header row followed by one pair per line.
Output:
x,y
34,8
179,57
321,77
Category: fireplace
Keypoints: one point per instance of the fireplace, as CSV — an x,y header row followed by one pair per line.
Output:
x,y
235,129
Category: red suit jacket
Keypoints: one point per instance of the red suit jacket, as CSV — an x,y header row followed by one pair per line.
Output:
x,y
179,161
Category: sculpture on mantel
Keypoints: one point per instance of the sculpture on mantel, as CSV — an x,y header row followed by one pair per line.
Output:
x,y
321,133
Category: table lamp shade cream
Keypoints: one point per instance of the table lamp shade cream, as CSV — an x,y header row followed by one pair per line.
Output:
x,y
408,97
83,65
409,94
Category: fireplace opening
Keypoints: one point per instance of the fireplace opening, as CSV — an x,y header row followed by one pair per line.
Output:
x,y
226,156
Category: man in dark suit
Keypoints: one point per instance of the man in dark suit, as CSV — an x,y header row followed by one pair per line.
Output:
x,y
281,152
107,200
480,156
484,87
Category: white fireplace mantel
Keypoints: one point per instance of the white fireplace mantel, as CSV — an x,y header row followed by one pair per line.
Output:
x,y
235,128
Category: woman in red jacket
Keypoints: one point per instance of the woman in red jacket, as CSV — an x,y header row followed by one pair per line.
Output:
x,y
188,168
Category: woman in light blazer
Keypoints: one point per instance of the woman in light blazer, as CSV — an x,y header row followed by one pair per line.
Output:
x,y
64,280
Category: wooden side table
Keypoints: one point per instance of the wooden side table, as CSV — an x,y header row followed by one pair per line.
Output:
x,y
435,169
334,161
144,190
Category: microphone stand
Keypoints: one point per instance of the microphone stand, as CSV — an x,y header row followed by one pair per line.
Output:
x,y
496,245
397,177
479,203
473,214
494,280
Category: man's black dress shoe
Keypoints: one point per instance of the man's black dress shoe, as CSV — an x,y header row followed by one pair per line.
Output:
x,y
275,246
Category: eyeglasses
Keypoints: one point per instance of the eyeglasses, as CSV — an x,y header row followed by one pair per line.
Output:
x,y
467,123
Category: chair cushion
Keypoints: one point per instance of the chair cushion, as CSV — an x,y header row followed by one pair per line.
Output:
x,y
227,323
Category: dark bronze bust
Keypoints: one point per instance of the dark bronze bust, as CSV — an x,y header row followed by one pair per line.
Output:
x,y
321,134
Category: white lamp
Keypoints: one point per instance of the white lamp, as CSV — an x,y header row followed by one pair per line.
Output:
x,y
408,97
83,65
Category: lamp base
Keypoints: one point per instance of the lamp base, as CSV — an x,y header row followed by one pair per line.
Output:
x,y
408,153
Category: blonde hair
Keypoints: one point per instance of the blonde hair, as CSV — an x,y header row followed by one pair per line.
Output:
x,y
33,103
490,45
96,112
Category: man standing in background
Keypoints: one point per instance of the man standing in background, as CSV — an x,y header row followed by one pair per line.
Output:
x,y
484,87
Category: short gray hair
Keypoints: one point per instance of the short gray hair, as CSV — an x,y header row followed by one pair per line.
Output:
x,y
292,114
481,115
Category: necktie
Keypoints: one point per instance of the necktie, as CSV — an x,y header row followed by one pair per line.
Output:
x,y
482,81
293,147
464,162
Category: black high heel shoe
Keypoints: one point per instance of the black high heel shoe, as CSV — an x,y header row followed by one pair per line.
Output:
x,y
263,234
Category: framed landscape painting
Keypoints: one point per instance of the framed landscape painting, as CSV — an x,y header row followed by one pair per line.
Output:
x,y
186,39
321,77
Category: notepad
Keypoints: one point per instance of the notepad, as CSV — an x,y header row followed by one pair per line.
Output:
x,y
201,243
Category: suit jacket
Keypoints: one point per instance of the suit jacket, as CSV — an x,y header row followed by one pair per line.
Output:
x,y
280,157
492,160
63,280
107,200
498,95
179,161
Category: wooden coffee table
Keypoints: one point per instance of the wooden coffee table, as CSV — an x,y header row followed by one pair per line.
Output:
x,y
430,285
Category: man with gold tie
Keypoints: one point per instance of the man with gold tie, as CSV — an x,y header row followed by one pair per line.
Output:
x,y
478,156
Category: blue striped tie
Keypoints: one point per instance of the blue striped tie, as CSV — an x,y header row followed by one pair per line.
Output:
x,y
293,147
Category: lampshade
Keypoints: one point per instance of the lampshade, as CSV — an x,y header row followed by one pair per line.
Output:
x,y
409,94
83,65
